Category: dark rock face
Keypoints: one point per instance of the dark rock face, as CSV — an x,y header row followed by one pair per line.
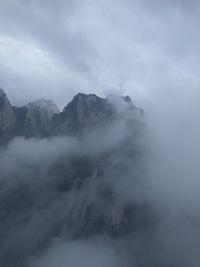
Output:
x,y
84,112
34,119
42,118
77,196
7,118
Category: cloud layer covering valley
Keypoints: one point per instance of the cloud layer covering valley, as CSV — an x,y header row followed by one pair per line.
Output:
x,y
146,49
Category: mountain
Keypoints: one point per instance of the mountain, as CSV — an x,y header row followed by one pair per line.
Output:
x,y
42,118
7,118
85,113
33,120
79,183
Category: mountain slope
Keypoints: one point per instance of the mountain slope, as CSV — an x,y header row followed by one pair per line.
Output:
x,y
87,112
42,118
79,183
33,120
7,118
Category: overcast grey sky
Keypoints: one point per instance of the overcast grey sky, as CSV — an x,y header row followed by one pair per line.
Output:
x,y
149,49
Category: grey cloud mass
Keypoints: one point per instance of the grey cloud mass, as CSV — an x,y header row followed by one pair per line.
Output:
x,y
57,48
148,49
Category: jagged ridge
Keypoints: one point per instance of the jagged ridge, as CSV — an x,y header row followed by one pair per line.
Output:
x,y
76,195
42,118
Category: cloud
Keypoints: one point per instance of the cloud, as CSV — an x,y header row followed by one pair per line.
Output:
x,y
49,187
146,49
141,49
79,254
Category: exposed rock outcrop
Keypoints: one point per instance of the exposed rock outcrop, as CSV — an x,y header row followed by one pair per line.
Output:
x,y
7,118
33,120
70,188
42,118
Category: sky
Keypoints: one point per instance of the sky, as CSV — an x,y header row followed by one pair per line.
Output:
x,y
55,49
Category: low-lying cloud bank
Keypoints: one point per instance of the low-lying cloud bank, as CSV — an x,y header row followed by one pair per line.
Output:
x,y
64,200
80,254
66,188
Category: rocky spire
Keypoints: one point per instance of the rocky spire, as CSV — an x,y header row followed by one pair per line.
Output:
x,y
7,117
83,114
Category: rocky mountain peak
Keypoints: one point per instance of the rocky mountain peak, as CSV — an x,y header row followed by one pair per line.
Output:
x,y
33,120
127,99
89,112
3,96
43,104
38,117
81,100
1,91
7,117
82,114
85,178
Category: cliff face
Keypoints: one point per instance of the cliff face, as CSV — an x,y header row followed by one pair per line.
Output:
x,y
83,113
32,120
88,112
7,118
42,118
70,185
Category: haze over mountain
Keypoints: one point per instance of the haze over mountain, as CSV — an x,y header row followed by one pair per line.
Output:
x,y
93,180
42,118
75,164
91,185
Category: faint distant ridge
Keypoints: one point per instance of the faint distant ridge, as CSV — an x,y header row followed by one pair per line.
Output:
x,y
42,118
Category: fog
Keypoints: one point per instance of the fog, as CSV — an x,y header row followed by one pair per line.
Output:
x,y
146,49
47,183
37,203
80,253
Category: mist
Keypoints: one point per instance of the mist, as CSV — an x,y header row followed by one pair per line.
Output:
x,y
174,175
49,185
63,199
37,202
